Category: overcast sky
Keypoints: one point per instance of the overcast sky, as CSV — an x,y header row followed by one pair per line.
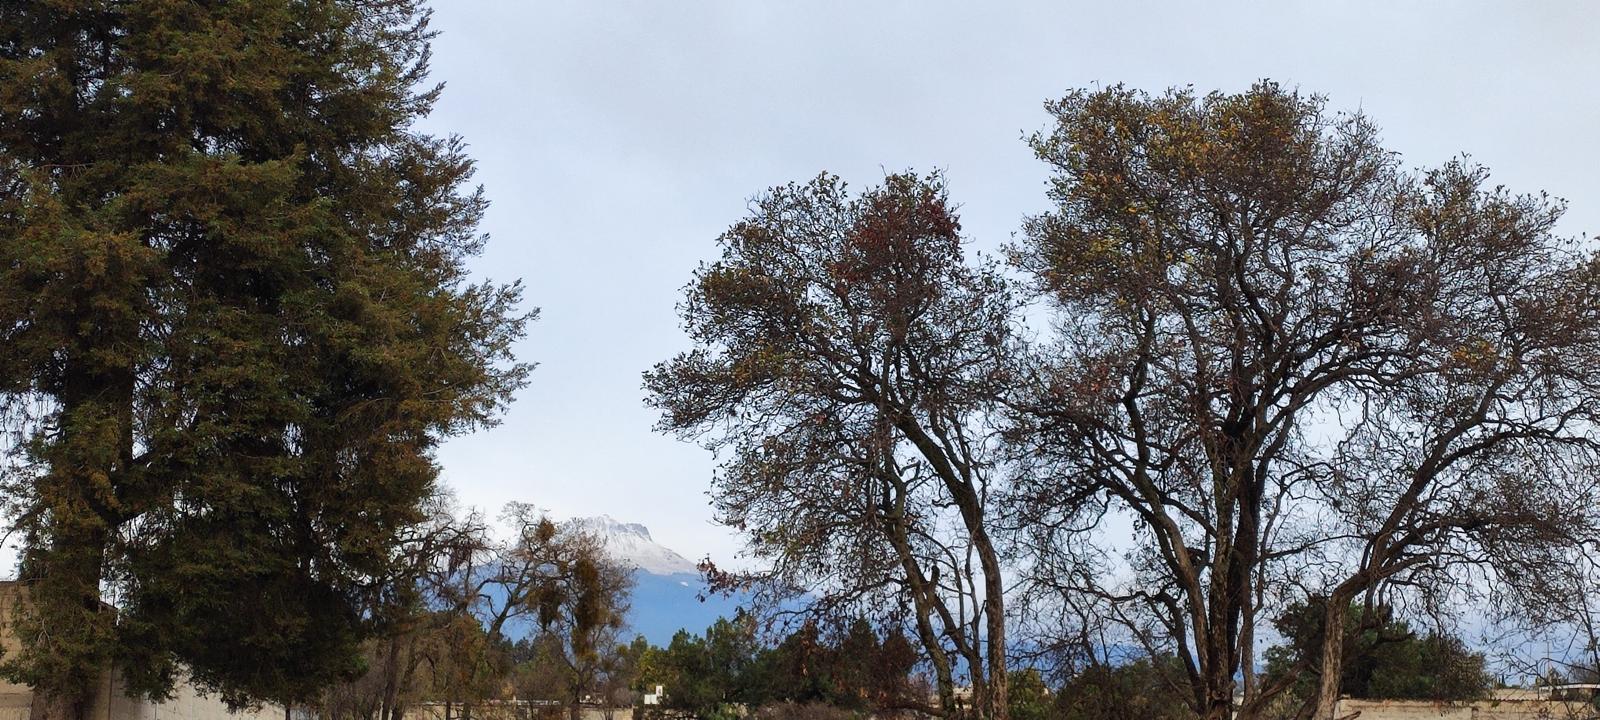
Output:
x,y
618,139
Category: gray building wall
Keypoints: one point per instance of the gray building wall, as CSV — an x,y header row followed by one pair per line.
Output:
x,y
109,700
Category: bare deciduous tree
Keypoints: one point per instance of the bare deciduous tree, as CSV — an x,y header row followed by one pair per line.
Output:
x,y
582,610
459,595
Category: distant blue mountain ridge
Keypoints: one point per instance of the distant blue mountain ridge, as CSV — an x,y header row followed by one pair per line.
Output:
x,y
664,604
670,594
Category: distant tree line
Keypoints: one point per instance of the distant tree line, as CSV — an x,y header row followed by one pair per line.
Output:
x,y
728,671
532,628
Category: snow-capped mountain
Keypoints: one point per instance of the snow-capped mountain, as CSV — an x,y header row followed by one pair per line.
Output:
x,y
668,593
631,543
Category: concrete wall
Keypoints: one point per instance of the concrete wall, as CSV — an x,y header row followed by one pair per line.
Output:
x,y
1402,710
186,704
14,706
1504,708
15,700
515,711
109,701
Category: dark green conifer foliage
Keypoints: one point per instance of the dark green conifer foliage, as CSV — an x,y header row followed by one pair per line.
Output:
x,y
235,323
1385,658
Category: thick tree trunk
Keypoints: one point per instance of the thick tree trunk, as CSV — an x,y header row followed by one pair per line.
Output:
x,y
1218,645
391,682
1233,564
1219,686
992,703
57,706
94,447
999,700
75,624
1242,564
1332,663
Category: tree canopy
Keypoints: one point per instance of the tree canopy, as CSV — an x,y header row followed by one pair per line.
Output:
x,y
1300,369
1293,367
853,363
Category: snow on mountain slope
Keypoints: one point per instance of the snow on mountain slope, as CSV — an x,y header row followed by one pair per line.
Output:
x,y
668,593
631,543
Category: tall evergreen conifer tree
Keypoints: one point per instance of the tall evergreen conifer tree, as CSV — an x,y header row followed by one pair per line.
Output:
x,y
234,324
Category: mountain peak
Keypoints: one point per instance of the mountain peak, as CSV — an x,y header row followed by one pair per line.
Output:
x,y
607,525
631,543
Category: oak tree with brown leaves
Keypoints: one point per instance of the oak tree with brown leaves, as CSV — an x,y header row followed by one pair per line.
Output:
x,y
850,364
1301,371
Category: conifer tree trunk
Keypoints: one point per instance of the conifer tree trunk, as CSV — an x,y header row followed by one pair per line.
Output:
x,y
56,706
95,449
75,575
